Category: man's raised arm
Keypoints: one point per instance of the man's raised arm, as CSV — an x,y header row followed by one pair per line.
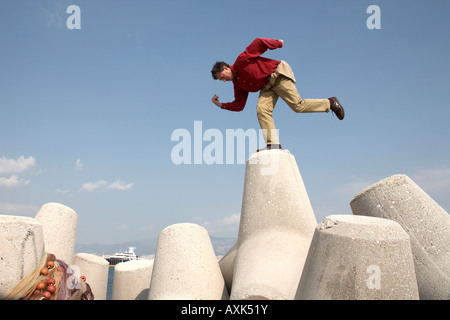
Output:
x,y
261,45
237,105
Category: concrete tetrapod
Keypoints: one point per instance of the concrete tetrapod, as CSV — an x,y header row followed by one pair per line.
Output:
x,y
95,269
400,199
358,258
59,224
185,266
276,227
22,249
132,280
226,265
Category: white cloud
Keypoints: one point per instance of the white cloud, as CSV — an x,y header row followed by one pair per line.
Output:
x,y
148,227
78,165
436,180
116,185
21,164
13,181
433,180
62,192
232,220
350,189
91,186
53,13
226,226
120,185
18,209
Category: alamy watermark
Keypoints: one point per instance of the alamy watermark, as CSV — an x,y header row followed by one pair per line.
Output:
x,y
74,20
212,146
374,21
73,280
374,280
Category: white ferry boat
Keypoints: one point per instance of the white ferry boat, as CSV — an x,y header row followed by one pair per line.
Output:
x,y
122,256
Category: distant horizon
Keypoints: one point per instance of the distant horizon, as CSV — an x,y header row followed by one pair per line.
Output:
x,y
220,244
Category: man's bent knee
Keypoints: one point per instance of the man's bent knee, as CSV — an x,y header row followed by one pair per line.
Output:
x,y
300,106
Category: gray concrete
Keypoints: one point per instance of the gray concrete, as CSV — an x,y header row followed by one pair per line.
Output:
x,y
276,227
132,280
95,269
185,266
226,265
400,199
22,249
59,223
358,258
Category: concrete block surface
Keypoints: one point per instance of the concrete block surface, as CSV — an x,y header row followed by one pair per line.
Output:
x,y
276,227
95,269
22,249
132,280
358,258
185,266
59,224
400,199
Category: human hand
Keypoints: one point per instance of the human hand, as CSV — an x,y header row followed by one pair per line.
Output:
x,y
282,42
215,100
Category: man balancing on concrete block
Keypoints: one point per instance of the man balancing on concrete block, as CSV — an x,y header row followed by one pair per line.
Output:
x,y
272,78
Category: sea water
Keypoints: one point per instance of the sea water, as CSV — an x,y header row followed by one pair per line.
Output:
x,y
110,283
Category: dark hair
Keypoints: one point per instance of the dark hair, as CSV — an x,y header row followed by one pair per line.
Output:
x,y
218,67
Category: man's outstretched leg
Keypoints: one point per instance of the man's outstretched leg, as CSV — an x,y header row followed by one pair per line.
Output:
x,y
286,89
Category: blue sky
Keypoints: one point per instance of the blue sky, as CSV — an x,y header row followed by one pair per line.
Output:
x,y
87,115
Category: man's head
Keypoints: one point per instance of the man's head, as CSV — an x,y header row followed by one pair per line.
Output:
x,y
222,71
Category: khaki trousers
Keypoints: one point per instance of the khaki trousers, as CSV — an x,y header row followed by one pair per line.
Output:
x,y
282,84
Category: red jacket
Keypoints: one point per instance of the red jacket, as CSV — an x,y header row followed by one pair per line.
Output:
x,y
251,72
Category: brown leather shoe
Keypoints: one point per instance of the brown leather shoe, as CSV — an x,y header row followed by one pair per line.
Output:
x,y
337,108
270,146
